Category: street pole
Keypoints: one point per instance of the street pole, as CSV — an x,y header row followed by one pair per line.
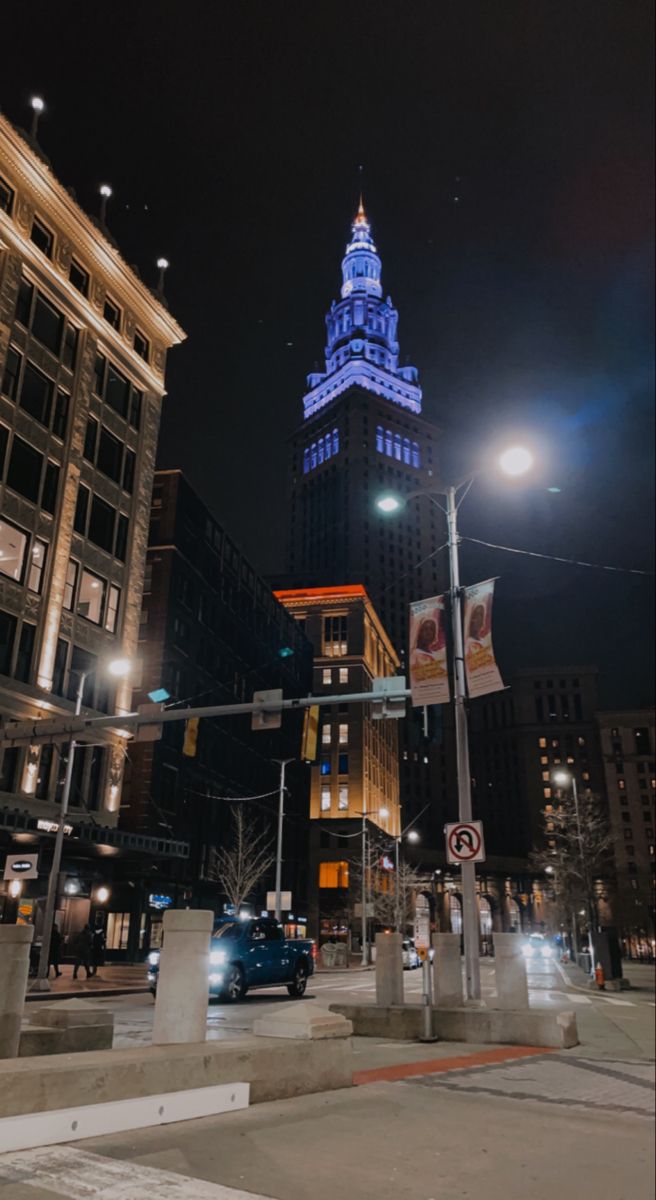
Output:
x,y
365,948
41,983
467,870
281,813
584,869
397,915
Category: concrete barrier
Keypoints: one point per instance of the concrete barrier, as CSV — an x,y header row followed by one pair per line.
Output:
x,y
389,968
305,1022
181,1001
447,970
509,972
66,1027
275,1068
15,941
523,1027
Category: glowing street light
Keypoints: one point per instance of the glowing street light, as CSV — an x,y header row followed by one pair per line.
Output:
x,y
119,668
516,460
37,105
162,266
389,504
105,193
413,836
102,895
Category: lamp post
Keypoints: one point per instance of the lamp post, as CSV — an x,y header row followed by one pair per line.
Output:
x,y
381,812
283,762
119,668
514,461
412,836
566,779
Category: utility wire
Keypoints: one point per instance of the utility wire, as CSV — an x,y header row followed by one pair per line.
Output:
x,y
233,799
416,567
573,562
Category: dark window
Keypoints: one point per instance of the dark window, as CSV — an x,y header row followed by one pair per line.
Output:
x,y
101,524
6,197
41,237
112,314
135,408
43,777
641,737
79,277
141,345
24,474
81,510
4,438
8,769
91,439
128,470
343,764
59,669
47,324
36,394
117,391
121,538
50,486
25,651
110,453
99,374
61,414
539,708
10,377
69,349
24,302
7,635
578,711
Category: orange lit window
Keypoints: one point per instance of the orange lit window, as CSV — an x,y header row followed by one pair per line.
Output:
x,y
544,759
547,793
545,776
542,743
333,874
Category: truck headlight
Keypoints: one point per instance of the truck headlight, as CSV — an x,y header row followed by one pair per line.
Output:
x,y
153,958
217,957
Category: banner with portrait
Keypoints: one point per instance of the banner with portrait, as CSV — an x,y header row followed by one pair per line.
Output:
x,y
429,676
481,669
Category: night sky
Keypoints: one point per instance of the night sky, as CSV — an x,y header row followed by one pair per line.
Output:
x,y
507,170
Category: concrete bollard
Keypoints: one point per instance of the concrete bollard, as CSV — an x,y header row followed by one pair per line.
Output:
x,y
183,983
389,968
15,942
447,970
510,971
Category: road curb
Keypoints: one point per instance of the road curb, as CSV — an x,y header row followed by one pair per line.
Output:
x,y
48,997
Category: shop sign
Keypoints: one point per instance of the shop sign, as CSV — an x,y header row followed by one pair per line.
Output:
x,y
159,902
21,866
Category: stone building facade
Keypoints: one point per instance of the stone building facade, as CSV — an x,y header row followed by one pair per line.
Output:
x,y
83,345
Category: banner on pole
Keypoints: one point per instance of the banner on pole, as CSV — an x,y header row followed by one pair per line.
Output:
x,y
429,677
480,665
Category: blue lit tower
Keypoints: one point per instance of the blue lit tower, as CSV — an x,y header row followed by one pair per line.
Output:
x,y
363,432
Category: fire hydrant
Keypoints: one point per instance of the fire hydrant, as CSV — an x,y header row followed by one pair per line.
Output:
x,y
599,976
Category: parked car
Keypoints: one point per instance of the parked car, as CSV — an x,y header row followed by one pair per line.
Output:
x,y
250,953
410,957
537,946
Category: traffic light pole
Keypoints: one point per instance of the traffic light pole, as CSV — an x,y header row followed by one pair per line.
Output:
x,y
281,813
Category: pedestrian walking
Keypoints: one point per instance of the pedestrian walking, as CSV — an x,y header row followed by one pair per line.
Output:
x,y
55,951
97,950
82,946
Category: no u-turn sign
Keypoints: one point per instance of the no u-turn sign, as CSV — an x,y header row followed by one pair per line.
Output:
x,y
464,842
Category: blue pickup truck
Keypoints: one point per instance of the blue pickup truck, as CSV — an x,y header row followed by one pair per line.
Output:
x,y
251,953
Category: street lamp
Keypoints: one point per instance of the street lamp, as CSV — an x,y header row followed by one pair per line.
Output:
x,y
566,779
105,193
514,461
383,813
411,836
119,668
37,105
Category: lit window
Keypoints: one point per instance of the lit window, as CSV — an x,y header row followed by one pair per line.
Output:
x,y
327,675
306,460
545,776
69,586
13,544
325,799
334,636
335,441
416,457
379,439
343,735
343,801
544,760
37,563
621,783
326,734
547,793
542,743
91,597
113,601
333,875
397,446
343,674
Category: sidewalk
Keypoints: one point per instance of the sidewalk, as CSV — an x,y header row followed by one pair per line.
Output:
x,y
112,978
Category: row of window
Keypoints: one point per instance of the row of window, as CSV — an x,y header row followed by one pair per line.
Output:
x,y
342,734
395,446
342,798
44,239
552,708
28,472
34,392
335,636
342,764
320,451
94,599
327,675
47,324
115,390
109,454
101,523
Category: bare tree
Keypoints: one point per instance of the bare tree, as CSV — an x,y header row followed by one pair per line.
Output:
x,y
240,865
575,855
381,883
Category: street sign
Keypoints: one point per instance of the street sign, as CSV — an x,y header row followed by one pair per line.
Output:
x,y
285,901
464,842
357,909
386,702
21,866
149,733
271,718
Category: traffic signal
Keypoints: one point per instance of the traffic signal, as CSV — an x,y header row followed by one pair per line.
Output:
x,y
310,738
190,744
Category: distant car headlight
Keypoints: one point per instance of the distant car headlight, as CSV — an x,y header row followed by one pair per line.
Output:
x,y
217,957
216,978
153,958
547,952
527,951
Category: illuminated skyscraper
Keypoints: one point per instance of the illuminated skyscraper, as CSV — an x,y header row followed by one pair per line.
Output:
x,y
362,434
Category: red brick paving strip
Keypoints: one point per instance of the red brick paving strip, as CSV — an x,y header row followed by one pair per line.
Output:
x,y
434,1065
